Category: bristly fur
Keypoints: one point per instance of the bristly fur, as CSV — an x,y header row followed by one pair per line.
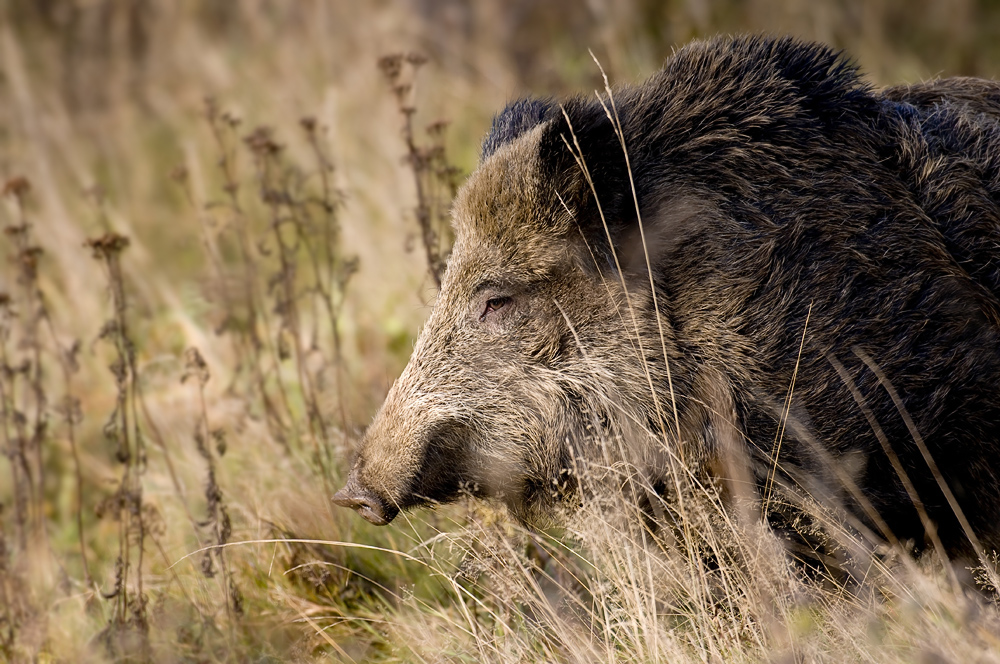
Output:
x,y
513,121
774,187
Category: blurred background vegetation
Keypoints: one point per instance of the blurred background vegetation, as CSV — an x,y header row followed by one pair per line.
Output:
x,y
253,155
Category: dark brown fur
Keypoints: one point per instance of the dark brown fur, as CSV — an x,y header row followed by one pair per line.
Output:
x,y
773,185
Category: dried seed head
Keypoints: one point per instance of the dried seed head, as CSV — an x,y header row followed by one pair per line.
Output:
x,y
236,598
261,143
219,436
207,566
195,366
108,245
437,128
17,187
70,410
391,65
29,259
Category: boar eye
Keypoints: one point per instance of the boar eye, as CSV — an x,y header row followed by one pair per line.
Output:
x,y
494,304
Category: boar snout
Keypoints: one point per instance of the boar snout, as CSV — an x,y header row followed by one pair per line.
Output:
x,y
406,462
369,505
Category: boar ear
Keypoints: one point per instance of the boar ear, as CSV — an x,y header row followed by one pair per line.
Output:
x,y
512,122
581,157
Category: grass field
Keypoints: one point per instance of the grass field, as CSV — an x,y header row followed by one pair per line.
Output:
x,y
212,272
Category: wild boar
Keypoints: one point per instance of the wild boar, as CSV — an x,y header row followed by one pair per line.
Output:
x,y
753,265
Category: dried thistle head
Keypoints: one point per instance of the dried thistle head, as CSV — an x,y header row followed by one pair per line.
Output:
x,y
195,367
108,245
391,66
18,187
261,142
29,260
16,231
219,436
437,128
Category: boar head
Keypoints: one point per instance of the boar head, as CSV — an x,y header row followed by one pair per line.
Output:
x,y
533,344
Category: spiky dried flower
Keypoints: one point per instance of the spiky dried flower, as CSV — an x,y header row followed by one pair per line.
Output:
x,y
437,128
391,65
195,366
109,244
262,143
17,187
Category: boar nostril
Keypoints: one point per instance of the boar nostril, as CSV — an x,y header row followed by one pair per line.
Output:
x,y
368,505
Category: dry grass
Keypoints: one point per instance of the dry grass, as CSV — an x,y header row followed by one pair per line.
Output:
x,y
263,261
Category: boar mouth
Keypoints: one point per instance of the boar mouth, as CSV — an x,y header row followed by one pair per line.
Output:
x,y
442,476
371,507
